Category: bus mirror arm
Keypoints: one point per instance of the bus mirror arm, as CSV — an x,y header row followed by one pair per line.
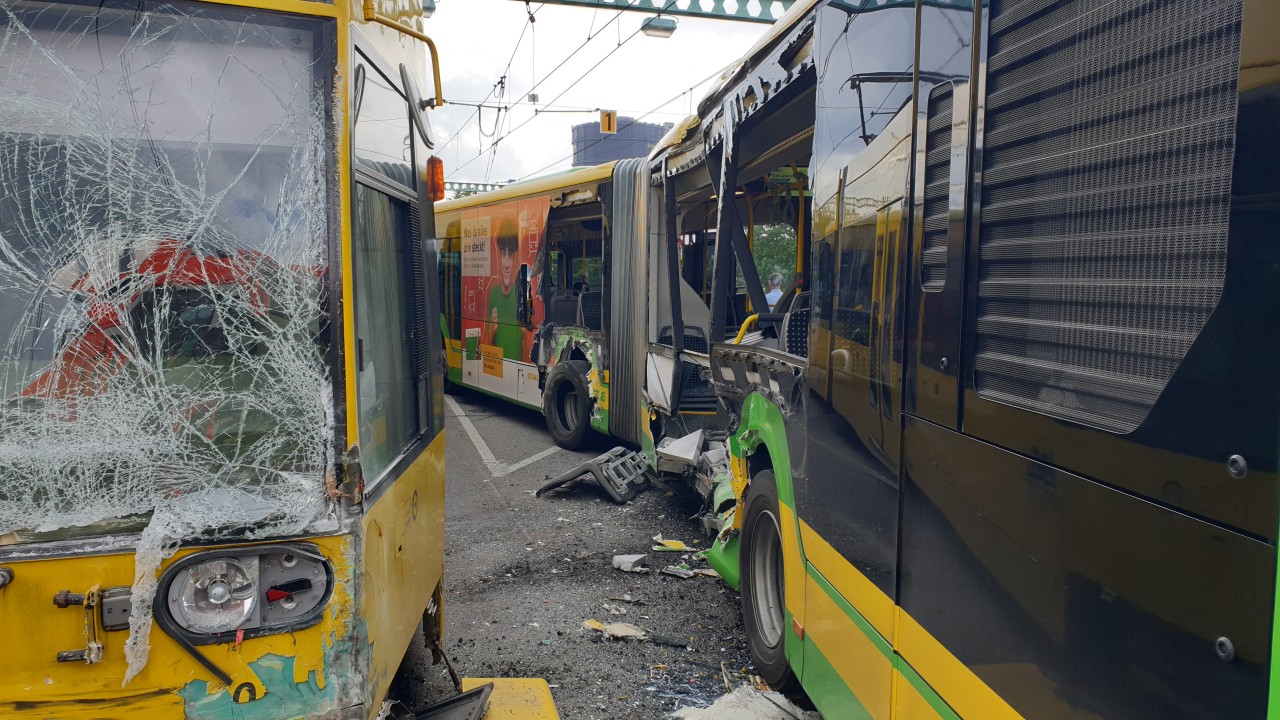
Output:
x,y
371,15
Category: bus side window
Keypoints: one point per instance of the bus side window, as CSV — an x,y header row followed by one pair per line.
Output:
x,y
389,420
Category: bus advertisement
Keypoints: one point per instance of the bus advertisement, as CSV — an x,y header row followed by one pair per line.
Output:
x,y
499,250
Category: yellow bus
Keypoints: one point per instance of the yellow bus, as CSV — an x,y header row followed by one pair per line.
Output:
x,y
221,447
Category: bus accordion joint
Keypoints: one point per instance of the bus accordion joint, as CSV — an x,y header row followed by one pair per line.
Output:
x,y
371,15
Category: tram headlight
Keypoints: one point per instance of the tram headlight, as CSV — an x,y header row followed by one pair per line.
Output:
x,y
215,596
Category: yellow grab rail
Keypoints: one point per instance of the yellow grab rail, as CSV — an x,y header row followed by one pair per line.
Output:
x,y
742,331
371,15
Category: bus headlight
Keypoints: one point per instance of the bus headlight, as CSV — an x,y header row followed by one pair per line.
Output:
x,y
215,596
233,594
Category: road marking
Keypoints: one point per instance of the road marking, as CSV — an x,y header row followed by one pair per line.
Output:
x,y
529,461
486,454
496,467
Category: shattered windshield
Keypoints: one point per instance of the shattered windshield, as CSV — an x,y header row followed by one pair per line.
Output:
x,y
164,183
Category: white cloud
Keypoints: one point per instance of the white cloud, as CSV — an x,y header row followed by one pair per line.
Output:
x,y
476,39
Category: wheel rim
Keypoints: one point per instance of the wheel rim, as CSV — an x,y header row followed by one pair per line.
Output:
x,y
766,578
568,407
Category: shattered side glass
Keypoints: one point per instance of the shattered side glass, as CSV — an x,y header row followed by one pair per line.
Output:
x,y
164,178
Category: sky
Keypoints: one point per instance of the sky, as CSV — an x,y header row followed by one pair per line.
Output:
x,y
663,77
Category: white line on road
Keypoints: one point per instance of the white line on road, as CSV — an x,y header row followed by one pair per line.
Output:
x,y
528,461
496,467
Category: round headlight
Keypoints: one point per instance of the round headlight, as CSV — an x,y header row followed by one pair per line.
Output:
x,y
214,596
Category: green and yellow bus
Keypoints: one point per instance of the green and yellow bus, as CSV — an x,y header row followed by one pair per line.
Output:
x,y
221,447
1013,453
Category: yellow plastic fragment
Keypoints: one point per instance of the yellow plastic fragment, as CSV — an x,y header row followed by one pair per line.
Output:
x,y
517,698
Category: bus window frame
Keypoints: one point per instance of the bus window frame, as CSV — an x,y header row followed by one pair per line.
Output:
x,y
430,421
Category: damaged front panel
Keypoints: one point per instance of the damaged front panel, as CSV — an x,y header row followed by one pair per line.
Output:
x,y
164,257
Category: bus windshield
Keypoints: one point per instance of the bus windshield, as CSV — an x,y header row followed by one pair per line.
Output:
x,y
164,195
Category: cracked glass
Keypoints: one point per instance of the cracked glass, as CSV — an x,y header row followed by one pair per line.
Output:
x,y
164,230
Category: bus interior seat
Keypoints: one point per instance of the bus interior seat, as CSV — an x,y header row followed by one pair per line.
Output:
x,y
795,326
563,308
695,339
590,313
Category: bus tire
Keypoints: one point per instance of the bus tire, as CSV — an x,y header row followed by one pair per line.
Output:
x,y
566,403
760,564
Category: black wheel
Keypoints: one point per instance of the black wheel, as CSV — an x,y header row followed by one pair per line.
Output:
x,y
566,403
763,598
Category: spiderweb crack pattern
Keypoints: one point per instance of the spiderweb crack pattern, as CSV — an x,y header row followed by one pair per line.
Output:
x,y
163,256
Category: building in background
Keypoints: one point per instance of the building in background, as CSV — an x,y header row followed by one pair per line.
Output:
x,y
633,139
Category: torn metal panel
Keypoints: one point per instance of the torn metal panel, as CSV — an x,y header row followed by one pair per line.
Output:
x,y
569,342
738,371
163,259
683,450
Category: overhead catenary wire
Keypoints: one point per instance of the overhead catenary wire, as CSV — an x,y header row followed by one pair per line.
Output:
x,y
633,121
538,82
530,20
572,85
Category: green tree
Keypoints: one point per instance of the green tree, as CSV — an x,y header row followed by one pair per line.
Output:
x,y
774,250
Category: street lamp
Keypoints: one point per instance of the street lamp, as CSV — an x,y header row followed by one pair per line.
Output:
x,y
661,27
428,7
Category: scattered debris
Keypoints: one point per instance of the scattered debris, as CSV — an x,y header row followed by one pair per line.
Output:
x,y
669,640
616,631
680,452
631,563
614,609
626,598
677,571
708,572
748,703
670,545
622,473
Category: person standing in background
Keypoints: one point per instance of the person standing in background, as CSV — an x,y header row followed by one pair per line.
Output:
x,y
775,290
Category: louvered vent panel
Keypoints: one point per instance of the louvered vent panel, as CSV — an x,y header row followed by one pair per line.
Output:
x,y
937,183
1108,144
421,351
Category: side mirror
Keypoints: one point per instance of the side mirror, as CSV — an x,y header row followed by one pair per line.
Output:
x,y
524,297
416,106
357,91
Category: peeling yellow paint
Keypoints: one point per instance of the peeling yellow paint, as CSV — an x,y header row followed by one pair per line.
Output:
x,y
31,678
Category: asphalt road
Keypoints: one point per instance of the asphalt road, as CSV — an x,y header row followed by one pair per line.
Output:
x,y
523,573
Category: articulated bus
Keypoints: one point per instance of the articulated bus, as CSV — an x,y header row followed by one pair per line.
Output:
x,y
221,438
1011,449
557,296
